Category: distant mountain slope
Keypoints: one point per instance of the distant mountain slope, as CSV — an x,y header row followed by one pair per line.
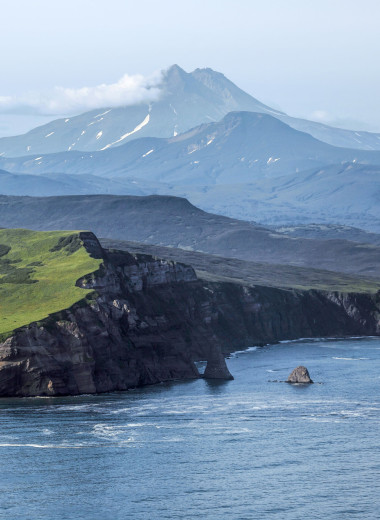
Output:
x,y
187,100
242,147
174,222
249,166
335,136
330,232
346,194
62,184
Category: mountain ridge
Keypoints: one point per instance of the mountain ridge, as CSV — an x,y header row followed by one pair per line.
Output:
x,y
187,100
175,222
249,140
249,166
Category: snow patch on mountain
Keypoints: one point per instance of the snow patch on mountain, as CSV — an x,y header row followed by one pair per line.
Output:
x,y
136,129
272,160
103,113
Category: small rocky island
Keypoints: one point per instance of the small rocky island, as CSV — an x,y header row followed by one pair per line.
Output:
x,y
99,320
300,375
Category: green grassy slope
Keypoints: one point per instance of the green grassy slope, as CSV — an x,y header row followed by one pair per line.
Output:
x,y
38,272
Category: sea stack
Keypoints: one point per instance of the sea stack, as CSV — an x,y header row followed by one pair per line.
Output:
x,y
300,375
216,365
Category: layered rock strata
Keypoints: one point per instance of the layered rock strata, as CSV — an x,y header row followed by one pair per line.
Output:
x,y
149,320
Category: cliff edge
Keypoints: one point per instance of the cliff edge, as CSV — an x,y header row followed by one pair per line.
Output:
x,y
143,320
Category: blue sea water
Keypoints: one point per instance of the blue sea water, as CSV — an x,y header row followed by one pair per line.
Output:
x,y
243,449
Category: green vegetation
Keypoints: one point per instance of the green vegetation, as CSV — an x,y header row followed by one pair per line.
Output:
x,y
38,272
4,250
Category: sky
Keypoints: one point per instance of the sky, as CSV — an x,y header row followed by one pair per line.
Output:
x,y
313,59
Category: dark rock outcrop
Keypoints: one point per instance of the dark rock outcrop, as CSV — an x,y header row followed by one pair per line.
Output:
x,y
148,320
216,367
300,375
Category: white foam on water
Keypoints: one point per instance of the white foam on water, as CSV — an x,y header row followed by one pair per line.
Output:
x,y
105,432
94,408
324,340
321,419
245,351
349,358
50,446
234,431
170,439
350,413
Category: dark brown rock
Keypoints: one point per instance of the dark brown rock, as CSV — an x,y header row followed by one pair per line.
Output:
x,y
300,375
216,367
150,319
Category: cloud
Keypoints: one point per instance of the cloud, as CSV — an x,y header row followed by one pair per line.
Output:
x,y
347,122
128,90
322,116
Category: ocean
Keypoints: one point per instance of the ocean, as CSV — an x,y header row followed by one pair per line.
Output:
x,y
237,450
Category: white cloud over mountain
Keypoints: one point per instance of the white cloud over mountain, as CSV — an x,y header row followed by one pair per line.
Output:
x,y
128,90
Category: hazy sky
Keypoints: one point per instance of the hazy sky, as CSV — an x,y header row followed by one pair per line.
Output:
x,y
317,59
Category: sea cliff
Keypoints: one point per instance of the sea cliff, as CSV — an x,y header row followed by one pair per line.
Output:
x,y
147,320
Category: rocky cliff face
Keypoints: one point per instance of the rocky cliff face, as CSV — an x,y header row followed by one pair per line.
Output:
x,y
149,319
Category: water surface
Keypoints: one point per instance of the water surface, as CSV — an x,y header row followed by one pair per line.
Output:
x,y
242,449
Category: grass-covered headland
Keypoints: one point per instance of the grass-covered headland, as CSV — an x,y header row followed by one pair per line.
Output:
x,y
38,272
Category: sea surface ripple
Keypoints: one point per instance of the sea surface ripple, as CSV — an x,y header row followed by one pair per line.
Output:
x,y
243,449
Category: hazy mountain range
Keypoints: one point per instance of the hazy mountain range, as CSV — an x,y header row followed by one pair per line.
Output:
x,y
206,140
187,100
249,166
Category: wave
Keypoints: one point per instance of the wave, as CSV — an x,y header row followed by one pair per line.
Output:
x,y
248,349
350,358
49,446
327,338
